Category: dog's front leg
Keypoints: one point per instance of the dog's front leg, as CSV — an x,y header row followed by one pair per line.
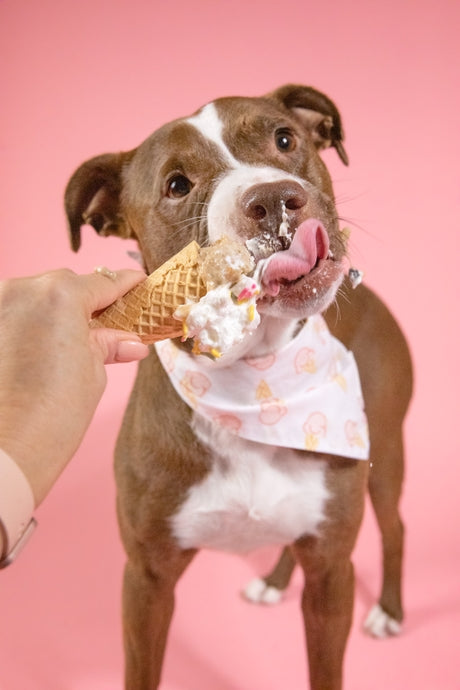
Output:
x,y
327,606
328,596
148,604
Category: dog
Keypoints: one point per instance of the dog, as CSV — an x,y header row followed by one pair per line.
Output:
x,y
237,167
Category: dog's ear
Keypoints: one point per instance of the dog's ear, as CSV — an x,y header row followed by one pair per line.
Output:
x,y
92,197
317,112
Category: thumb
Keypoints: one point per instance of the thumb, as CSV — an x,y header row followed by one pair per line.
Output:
x,y
117,346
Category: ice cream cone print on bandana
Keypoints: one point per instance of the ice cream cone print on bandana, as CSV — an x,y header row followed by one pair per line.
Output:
x,y
194,384
169,356
337,376
305,361
356,433
271,408
315,429
341,381
261,363
228,421
306,395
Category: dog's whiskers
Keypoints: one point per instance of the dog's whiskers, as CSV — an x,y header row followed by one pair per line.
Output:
x,y
188,221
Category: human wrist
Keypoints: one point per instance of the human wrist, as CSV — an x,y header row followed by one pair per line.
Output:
x,y
37,444
29,450
17,504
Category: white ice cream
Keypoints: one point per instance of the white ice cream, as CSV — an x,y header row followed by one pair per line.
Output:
x,y
223,317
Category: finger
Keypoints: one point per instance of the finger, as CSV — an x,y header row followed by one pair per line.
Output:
x,y
99,290
117,346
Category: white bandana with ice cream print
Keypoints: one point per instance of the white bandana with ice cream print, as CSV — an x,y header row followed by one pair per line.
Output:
x,y
307,395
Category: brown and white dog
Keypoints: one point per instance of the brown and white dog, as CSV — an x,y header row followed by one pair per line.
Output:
x,y
225,171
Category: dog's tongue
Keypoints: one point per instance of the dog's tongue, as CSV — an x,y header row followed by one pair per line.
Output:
x,y
310,244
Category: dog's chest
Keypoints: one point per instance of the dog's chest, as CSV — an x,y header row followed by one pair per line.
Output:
x,y
254,495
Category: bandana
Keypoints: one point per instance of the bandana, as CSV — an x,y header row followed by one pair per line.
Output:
x,y
306,395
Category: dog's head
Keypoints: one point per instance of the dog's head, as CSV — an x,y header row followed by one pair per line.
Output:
x,y
248,168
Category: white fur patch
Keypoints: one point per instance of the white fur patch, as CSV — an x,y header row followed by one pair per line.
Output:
x,y
208,123
255,495
381,625
258,592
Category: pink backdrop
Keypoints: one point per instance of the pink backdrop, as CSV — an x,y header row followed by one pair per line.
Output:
x,y
84,78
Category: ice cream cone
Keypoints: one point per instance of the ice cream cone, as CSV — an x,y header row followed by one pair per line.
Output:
x,y
148,309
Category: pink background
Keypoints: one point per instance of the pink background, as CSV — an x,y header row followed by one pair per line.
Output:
x,y
83,78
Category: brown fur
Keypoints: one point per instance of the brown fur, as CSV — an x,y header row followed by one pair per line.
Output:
x,y
158,458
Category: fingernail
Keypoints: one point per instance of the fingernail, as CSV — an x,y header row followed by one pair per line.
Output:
x,y
131,351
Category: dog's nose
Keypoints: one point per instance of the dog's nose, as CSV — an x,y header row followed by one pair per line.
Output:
x,y
263,203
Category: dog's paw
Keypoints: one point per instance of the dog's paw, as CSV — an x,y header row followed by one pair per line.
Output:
x,y
258,592
380,624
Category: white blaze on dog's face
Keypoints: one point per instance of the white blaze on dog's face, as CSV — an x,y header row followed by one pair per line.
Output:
x,y
241,167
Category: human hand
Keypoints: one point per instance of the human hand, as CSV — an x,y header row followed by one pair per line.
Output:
x,y
52,372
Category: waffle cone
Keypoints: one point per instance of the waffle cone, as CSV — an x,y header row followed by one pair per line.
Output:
x,y
148,309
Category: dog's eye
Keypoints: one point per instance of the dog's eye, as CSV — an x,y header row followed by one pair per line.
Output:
x,y
179,186
285,140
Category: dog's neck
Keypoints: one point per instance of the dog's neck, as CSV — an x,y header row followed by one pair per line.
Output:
x,y
272,333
